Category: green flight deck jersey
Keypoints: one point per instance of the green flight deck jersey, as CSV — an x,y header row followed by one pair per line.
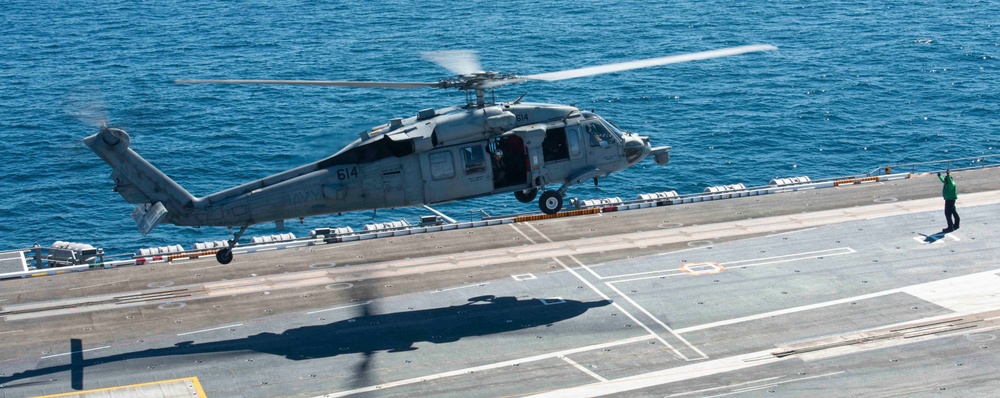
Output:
x,y
949,192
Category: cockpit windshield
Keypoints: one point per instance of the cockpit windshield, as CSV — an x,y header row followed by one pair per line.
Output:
x,y
613,128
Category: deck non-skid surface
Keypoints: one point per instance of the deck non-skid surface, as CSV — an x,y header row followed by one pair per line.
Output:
x,y
835,292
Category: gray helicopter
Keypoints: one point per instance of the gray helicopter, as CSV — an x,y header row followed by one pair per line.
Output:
x,y
440,155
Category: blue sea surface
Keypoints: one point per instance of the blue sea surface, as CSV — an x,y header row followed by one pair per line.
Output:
x,y
854,86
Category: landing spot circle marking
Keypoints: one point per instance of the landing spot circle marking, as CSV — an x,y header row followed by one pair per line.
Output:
x,y
980,337
339,286
172,305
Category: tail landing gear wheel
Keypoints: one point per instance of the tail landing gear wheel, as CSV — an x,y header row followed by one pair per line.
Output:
x,y
224,256
527,195
551,202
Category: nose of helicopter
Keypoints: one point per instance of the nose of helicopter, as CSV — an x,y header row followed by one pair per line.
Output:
x,y
636,148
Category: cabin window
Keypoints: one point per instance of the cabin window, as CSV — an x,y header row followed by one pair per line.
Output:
x,y
573,139
442,165
475,162
599,135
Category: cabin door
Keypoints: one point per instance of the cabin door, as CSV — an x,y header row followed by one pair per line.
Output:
x,y
456,173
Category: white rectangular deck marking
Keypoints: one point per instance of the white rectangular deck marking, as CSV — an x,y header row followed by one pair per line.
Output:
x,y
209,330
67,353
970,293
552,301
523,277
583,369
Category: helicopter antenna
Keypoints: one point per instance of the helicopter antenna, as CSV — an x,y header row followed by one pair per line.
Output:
x,y
518,100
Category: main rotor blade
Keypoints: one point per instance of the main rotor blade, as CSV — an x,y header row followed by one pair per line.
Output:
x,y
459,62
646,63
317,83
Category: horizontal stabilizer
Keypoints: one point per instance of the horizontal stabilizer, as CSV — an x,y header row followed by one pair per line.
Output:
x,y
148,215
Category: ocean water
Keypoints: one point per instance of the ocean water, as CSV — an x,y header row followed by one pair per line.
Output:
x,y
854,86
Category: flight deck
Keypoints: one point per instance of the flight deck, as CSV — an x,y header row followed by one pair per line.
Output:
x,y
846,291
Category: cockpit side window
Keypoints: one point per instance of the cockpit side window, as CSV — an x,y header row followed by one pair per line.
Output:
x,y
600,135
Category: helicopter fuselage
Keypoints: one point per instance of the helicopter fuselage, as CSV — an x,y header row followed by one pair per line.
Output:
x,y
438,156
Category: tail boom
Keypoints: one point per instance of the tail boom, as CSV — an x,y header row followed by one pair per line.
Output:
x,y
139,182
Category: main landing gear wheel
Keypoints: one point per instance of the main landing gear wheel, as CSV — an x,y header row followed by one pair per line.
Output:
x,y
224,255
551,202
527,195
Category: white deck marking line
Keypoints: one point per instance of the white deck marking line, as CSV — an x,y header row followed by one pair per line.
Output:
x,y
681,394
337,246
790,232
803,255
200,269
619,307
67,353
682,250
678,272
659,322
584,266
785,311
923,291
674,271
338,308
496,365
634,319
747,389
102,284
663,273
523,234
666,376
12,331
583,369
460,287
538,232
208,330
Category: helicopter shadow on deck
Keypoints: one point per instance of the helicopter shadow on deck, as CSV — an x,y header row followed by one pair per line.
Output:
x,y
366,334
